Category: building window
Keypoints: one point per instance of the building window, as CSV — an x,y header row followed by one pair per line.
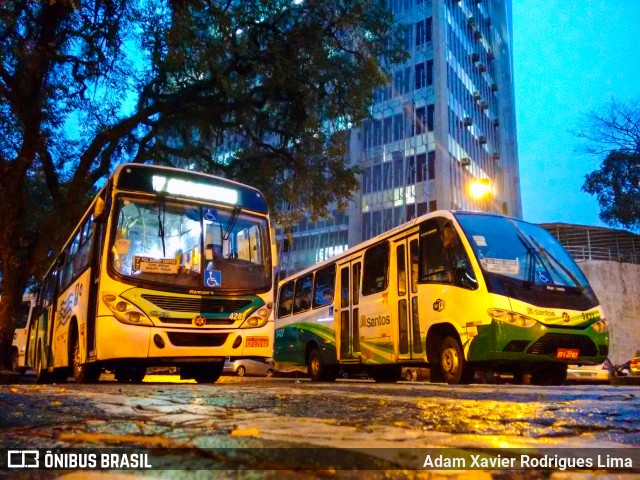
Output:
x,y
419,125
432,165
421,161
388,122
420,75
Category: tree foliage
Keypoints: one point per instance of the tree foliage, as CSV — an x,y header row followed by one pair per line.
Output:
x,y
260,92
616,184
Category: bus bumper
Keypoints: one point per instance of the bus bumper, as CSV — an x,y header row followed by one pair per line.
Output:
x,y
153,343
499,342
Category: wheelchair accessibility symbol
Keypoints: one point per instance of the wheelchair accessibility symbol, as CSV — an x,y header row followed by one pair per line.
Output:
x,y
212,278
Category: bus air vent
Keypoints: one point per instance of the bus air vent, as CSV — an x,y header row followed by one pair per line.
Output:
x,y
199,305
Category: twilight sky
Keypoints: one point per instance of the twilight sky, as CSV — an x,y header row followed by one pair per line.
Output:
x,y
570,57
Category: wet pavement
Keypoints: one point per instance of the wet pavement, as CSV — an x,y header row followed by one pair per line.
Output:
x,y
388,422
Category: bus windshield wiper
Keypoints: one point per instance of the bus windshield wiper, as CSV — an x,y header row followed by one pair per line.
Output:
x,y
162,209
232,222
531,256
552,259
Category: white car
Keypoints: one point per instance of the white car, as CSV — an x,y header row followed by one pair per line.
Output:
x,y
259,368
590,373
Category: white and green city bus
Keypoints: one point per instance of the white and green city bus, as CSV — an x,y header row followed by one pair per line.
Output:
x,y
166,267
459,292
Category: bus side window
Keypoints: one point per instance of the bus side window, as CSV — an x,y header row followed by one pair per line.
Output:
x,y
434,261
302,296
323,286
285,300
375,273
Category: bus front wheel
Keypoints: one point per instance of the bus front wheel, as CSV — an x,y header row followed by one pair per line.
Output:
x,y
83,372
318,370
453,365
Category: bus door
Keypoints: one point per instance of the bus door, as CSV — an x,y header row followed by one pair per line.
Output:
x,y
409,339
348,280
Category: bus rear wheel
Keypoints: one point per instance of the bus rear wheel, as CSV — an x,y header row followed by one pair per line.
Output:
x,y
453,365
318,370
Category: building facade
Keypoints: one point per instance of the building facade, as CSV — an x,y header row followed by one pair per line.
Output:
x,y
443,125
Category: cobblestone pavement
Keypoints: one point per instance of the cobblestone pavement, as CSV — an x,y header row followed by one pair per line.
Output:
x,y
389,423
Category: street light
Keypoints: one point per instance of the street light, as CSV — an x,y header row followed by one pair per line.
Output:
x,y
480,188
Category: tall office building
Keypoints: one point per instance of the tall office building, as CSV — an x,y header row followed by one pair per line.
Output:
x,y
442,127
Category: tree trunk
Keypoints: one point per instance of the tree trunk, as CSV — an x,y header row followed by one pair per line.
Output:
x,y
14,255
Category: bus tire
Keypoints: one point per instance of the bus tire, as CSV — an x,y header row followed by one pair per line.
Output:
x,y
553,374
83,372
318,370
207,372
453,365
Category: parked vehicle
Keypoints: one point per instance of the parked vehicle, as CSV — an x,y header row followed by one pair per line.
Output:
x,y
247,367
420,374
19,345
591,373
634,364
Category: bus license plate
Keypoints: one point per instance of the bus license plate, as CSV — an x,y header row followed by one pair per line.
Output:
x,y
567,353
256,342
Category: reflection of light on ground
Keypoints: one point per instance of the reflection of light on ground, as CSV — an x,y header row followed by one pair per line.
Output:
x,y
166,379
488,417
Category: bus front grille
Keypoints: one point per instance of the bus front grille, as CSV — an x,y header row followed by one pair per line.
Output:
x,y
550,343
199,305
181,339
189,321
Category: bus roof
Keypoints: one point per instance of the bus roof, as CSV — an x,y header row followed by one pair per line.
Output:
x,y
389,233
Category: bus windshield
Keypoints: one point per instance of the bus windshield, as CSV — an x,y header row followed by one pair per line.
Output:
x,y
520,250
189,245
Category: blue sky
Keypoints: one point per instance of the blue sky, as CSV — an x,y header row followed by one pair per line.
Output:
x,y
570,57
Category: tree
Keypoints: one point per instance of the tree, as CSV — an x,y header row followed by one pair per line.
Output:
x,y
260,92
616,184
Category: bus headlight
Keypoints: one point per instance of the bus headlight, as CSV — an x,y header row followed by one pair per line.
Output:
x,y
254,322
259,318
125,312
511,318
601,326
